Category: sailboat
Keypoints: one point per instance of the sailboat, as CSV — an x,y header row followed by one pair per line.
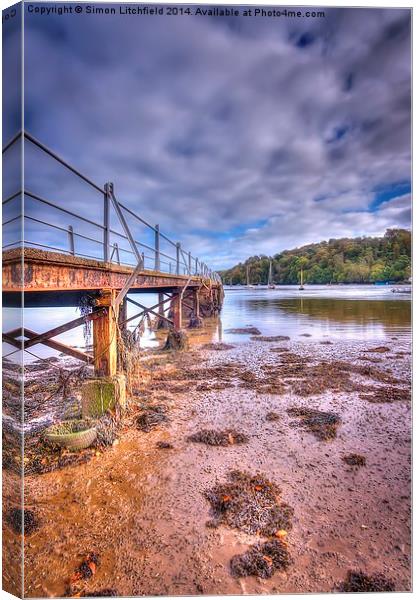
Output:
x,y
301,280
270,283
248,278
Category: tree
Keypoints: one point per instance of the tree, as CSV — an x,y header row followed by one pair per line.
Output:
x,y
358,260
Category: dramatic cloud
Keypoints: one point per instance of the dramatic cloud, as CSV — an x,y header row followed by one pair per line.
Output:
x,y
239,136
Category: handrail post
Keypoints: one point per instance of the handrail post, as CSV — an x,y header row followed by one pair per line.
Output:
x,y
106,222
169,268
157,248
178,258
197,267
190,263
71,239
125,226
143,259
115,250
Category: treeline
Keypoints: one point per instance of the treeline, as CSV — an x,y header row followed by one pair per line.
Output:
x,y
346,260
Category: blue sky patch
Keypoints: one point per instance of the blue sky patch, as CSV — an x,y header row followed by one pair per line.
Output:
x,y
388,192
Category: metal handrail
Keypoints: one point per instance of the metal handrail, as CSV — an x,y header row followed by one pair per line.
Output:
x,y
63,162
182,261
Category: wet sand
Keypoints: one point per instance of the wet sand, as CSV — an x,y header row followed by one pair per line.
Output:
x,y
142,509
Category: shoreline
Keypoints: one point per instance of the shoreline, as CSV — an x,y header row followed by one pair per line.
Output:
x,y
142,508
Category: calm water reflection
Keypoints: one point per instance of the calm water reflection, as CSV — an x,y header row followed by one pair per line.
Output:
x,y
351,312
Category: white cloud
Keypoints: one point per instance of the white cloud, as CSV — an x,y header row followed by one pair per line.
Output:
x,y
203,126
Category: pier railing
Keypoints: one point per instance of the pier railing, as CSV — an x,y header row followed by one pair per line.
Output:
x,y
119,236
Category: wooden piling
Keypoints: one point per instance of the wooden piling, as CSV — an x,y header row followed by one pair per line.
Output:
x,y
123,314
177,311
196,303
105,337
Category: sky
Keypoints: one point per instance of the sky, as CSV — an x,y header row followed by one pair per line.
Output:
x,y
239,136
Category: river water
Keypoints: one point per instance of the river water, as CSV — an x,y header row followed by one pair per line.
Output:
x,y
349,312
356,312
145,510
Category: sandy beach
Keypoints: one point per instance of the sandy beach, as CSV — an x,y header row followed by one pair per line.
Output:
x,y
142,506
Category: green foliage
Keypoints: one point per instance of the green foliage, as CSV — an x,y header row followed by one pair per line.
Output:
x,y
358,260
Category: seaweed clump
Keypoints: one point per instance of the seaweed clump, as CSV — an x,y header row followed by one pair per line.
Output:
x,y
386,395
272,416
30,522
151,417
355,460
379,349
108,429
357,581
105,593
322,424
270,338
85,571
219,346
261,560
211,437
164,445
243,330
249,503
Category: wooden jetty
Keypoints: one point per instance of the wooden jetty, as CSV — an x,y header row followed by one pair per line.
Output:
x,y
41,274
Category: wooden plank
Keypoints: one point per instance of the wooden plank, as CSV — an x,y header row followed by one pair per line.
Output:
x,y
149,310
129,283
8,339
61,347
39,339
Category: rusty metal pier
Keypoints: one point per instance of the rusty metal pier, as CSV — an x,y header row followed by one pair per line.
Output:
x,y
48,261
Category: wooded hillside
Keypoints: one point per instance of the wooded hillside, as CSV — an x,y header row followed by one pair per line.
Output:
x,y
345,260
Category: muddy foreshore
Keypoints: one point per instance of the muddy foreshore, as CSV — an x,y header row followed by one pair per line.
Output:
x,y
142,506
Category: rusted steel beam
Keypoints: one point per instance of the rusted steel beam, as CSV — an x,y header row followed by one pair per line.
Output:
x,y
39,339
51,271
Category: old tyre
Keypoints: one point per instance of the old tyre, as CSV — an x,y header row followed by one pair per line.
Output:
x,y
74,435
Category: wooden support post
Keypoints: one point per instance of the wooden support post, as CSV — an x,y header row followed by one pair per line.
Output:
x,y
123,314
160,304
105,338
177,311
196,303
190,263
